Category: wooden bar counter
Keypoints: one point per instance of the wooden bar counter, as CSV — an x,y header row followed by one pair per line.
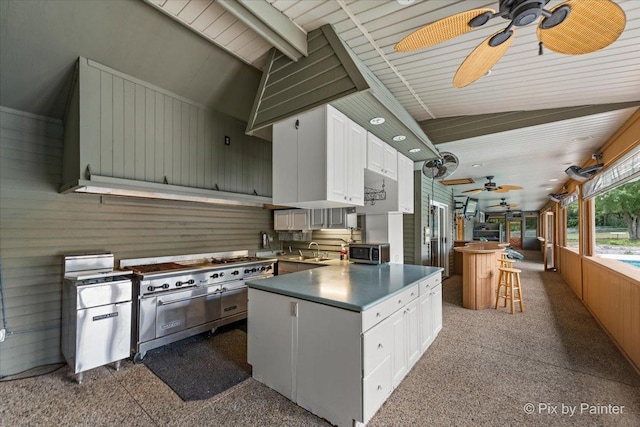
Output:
x,y
480,273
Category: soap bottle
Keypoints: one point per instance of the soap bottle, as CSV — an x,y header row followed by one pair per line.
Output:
x,y
343,252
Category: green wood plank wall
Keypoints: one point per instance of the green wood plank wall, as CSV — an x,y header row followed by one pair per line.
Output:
x,y
38,225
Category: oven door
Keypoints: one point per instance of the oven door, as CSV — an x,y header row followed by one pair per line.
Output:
x,y
234,298
178,311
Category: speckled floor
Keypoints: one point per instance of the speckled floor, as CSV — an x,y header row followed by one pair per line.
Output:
x,y
485,368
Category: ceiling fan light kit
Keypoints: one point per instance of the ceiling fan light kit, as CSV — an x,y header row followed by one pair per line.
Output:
x,y
574,27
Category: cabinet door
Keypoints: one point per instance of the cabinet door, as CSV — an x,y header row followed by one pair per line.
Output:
x,y
299,219
271,349
285,161
317,219
356,153
405,184
412,320
436,309
399,354
336,155
390,163
426,320
375,153
336,218
281,220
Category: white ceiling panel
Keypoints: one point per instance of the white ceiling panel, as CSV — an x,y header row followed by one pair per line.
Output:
x,y
422,80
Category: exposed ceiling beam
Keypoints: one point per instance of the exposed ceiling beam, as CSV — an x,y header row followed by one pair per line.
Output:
x,y
271,24
450,129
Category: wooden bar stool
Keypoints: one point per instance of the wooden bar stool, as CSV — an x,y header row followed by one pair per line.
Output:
x,y
509,278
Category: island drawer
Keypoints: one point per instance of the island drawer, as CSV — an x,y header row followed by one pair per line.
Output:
x,y
430,282
376,388
377,344
379,312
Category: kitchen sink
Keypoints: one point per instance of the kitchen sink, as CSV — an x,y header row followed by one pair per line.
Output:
x,y
305,258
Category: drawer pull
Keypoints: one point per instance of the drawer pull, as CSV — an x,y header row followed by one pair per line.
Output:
x,y
380,345
412,294
379,387
378,314
399,301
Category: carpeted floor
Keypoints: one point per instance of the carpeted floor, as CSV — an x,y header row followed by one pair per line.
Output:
x,y
486,367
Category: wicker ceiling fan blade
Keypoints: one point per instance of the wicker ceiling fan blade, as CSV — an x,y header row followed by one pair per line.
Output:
x,y
440,31
513,205
481,60
591,25
474,191
511,187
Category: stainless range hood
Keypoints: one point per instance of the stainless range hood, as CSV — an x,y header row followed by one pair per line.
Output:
x,y
333,74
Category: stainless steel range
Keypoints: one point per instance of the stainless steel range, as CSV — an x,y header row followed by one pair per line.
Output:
x,y
180,296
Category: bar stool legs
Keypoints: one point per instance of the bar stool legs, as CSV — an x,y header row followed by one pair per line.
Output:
x,y
509,278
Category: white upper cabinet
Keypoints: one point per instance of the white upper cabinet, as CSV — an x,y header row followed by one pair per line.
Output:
x,y
405,184
318,160
291,219
381,157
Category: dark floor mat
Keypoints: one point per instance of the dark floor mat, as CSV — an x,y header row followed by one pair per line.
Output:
x,y
204,365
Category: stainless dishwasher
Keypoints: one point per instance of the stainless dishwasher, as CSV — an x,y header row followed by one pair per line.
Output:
x,y
96,313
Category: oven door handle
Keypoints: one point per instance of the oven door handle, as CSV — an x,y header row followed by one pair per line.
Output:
x,y
160,302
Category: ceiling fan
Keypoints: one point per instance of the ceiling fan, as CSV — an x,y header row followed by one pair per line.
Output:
x,y
574,27
492,186
440,167
504,204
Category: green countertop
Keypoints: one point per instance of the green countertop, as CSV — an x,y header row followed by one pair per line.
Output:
x,y
355,287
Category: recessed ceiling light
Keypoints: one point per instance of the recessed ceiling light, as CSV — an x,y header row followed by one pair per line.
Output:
x,y
377,121
414,150
476,165
581,138
399,138
554,179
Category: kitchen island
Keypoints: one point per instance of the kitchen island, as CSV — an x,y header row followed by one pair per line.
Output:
x,y
479,273
337,340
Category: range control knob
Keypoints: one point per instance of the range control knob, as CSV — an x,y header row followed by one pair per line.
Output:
x,y
235,272
215,275
263,268
268,267
253,270
247,271
150,288
165,286
222,274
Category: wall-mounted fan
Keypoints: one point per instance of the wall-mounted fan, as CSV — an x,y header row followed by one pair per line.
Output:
x,y
440,167
504,204
492,186
572,28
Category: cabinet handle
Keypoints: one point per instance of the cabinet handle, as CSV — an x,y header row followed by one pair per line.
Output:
x,y
399,301
412,294
297,124
378,314
345,197
379,387
380,345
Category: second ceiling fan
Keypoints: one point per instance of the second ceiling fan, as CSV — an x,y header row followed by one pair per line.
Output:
x,y
492,186
574,27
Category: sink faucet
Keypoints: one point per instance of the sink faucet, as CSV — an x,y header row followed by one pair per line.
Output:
x,y
317,249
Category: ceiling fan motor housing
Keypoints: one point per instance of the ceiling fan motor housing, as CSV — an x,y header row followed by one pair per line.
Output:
x,y
522,12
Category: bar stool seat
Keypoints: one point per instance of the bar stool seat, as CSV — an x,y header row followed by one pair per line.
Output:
x,y
509,278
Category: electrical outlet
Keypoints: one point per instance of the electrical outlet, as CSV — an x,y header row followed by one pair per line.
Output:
x,y
3,332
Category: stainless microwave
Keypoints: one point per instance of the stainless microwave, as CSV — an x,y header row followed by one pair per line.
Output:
x,y
369,253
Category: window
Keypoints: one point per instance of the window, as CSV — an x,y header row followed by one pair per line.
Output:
x,y
572,226
617,212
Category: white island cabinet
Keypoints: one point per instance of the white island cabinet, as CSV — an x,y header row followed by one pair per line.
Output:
x,y
306,341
